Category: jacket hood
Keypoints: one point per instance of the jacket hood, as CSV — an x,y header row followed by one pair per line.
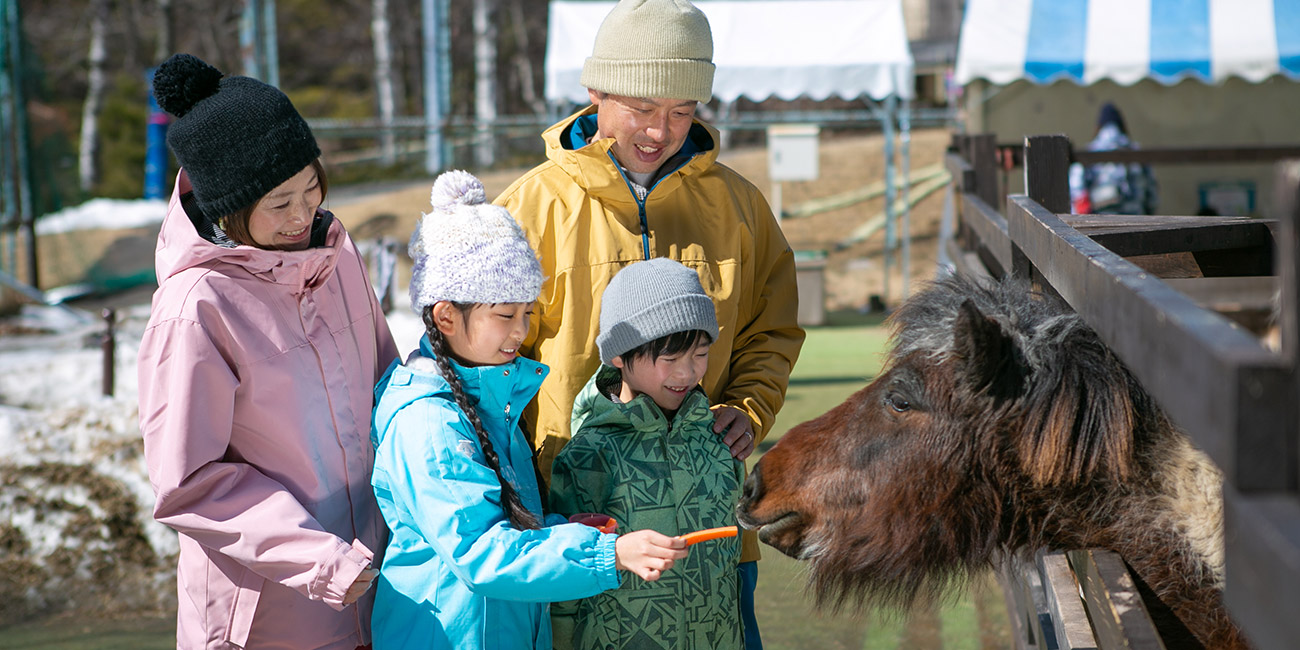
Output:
x,y
594,408
180,247
589,166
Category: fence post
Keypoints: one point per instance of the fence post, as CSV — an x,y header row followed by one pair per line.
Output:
x,y
1047,182
983,159
109,346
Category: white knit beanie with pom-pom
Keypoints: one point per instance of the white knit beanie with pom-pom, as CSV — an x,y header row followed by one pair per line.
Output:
x,y
469,251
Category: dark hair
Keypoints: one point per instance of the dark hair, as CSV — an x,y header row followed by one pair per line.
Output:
x,y
236,224
675,343
519,515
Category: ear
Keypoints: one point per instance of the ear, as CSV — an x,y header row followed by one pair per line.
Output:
x,y
447,318
994,364
595,97
617,362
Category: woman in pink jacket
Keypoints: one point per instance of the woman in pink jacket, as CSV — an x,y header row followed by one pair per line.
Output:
x,y
256,377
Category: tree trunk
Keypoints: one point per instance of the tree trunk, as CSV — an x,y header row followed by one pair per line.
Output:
x,y
379,30
523,59
485,75
164,46
97,57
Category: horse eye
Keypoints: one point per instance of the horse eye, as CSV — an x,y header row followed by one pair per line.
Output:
x,y
898,403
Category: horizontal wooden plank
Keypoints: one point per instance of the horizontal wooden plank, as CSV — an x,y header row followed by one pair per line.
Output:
x,y
1119,617
1070,618
1262,565
961,171
1156,237
989,226
1216,381
1192,155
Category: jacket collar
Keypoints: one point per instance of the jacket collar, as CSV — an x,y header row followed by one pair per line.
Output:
x,y
492,387
593,168
180,247
594,407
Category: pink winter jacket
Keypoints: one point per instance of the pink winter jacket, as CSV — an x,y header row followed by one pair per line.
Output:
x,y
256,376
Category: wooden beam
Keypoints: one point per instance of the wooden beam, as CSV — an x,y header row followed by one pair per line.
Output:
x,y
983,159
1178,235
1217,382
961,171
990,228
1119,617
1192,155
1070,617
1262,566
1229,294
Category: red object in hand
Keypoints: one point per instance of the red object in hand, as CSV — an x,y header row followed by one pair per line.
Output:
x,y
603,523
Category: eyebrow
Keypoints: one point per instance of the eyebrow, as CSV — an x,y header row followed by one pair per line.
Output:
x,y
284,193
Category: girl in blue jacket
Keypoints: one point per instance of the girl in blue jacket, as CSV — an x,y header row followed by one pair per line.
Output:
x,y
471,561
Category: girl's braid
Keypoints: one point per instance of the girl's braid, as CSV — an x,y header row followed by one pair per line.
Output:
x,y
519,515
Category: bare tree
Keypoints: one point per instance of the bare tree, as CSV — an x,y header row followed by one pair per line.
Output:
x,y
523,59
379,30
485,81
97,58
166,38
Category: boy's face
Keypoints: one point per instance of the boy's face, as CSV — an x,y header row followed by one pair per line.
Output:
x,y
667,379
646,132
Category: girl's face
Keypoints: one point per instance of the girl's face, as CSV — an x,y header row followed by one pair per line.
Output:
x,y
667,379
282,219
486,335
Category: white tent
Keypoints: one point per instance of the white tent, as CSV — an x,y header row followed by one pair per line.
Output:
x,y
776,48
763,48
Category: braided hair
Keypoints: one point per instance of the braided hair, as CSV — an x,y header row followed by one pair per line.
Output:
x,y
519,515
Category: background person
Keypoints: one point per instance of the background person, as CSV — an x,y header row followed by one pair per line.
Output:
x,y
255,375
1112,188
635,176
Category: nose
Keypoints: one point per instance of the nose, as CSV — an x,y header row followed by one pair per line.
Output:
x,y
753,489
657,128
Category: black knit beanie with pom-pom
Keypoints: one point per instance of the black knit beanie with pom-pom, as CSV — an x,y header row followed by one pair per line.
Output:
x,y
236,137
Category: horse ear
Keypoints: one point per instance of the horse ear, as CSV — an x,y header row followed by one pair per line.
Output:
x,y
994,364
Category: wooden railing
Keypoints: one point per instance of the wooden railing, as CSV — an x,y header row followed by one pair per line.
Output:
x,y
1187,303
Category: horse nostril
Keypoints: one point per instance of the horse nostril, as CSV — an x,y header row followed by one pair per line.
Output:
x,y
753,488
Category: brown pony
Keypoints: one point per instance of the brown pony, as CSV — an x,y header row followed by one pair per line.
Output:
x,y
1001,424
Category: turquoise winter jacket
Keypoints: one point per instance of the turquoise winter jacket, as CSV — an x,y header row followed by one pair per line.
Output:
x,y
455,573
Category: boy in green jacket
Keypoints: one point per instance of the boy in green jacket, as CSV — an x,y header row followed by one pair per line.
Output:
x,y
644,452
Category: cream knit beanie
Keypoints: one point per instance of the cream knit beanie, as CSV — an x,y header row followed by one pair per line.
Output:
x,y
470,251
654,49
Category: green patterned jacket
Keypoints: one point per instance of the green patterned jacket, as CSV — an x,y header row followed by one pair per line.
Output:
x,y
629,462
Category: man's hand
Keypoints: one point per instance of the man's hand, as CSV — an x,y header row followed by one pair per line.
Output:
x,y
736,429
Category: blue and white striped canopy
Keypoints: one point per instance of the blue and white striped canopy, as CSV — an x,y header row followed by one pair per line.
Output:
x,y
1085,41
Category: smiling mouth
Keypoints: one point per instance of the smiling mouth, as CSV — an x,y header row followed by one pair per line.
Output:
x,y
295,233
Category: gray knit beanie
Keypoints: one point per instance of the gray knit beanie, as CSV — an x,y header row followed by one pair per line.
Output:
x,y
468,250
651,299
660,49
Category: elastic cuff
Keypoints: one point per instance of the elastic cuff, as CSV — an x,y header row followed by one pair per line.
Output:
x,y
607,562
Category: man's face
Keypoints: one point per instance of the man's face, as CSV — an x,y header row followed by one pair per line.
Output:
x,y
646,132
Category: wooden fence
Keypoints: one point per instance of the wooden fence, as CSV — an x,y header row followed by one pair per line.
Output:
x,y
1204,311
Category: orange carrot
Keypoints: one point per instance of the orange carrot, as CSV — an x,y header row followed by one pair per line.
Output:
x,y
710,533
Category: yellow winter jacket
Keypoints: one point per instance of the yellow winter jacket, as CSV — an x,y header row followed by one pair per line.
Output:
x,y
585,223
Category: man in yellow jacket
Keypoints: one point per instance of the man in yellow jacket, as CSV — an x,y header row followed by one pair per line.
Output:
x,y
635,176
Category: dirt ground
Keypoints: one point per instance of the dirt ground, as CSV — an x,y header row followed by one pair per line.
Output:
x,y
847,163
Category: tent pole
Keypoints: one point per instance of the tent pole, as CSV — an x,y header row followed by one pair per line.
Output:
x,y
891,191
905,138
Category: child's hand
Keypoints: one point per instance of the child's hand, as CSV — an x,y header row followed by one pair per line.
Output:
x,y
360,586
647,553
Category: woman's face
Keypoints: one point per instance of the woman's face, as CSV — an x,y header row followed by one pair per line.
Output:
x,y
282,219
